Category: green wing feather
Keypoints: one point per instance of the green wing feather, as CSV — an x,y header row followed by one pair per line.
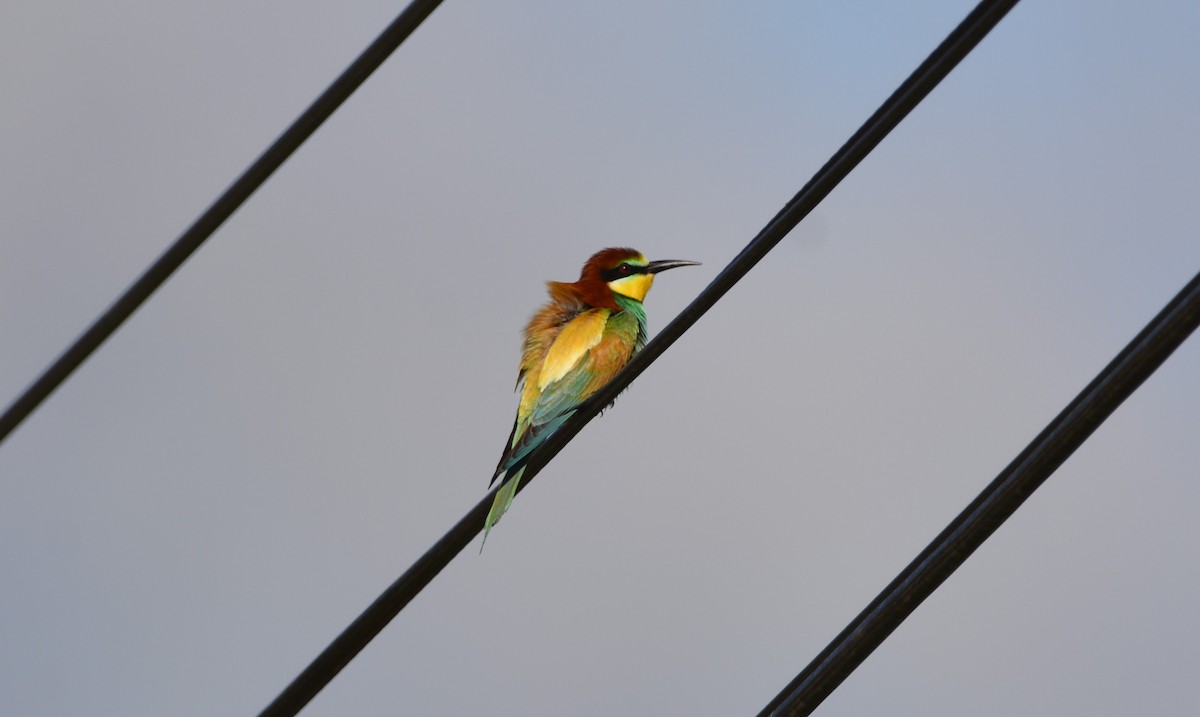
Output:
x,y
624,334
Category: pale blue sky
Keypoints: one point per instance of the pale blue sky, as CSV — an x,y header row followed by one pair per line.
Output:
x,y
325,387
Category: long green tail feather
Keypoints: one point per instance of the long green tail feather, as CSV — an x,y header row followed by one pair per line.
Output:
x,y
504,498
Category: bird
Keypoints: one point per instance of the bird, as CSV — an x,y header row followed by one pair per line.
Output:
x,y
577,342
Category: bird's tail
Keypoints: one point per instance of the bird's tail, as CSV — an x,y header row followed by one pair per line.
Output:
x,y
504,498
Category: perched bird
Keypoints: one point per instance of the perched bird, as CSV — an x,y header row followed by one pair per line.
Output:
x,y
574,345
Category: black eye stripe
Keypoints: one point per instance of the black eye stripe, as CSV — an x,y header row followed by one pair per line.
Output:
x,y
623,270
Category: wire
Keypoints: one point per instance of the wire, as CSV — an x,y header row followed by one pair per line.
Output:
x,y
220,210
910,93
993,506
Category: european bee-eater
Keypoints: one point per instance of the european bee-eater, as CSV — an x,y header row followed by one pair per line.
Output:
x,y
574,345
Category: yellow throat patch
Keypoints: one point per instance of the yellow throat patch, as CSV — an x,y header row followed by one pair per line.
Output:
x,y
635,286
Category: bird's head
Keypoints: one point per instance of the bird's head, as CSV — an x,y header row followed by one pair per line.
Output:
x,y
625,271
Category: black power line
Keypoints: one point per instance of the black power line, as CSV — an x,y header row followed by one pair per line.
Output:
x,y
993,506
220,210
910,93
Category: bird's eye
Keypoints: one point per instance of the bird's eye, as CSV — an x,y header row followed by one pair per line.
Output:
x,y
624,268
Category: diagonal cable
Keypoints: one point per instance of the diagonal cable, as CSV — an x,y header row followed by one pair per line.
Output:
x,y
255,175
354,638
1140,358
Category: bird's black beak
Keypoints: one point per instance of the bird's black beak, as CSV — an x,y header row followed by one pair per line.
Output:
x,y
663,264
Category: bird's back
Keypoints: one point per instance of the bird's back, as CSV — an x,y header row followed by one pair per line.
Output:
x,y
571,350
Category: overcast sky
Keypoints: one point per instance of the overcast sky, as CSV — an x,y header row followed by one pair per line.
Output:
x,y
326,386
